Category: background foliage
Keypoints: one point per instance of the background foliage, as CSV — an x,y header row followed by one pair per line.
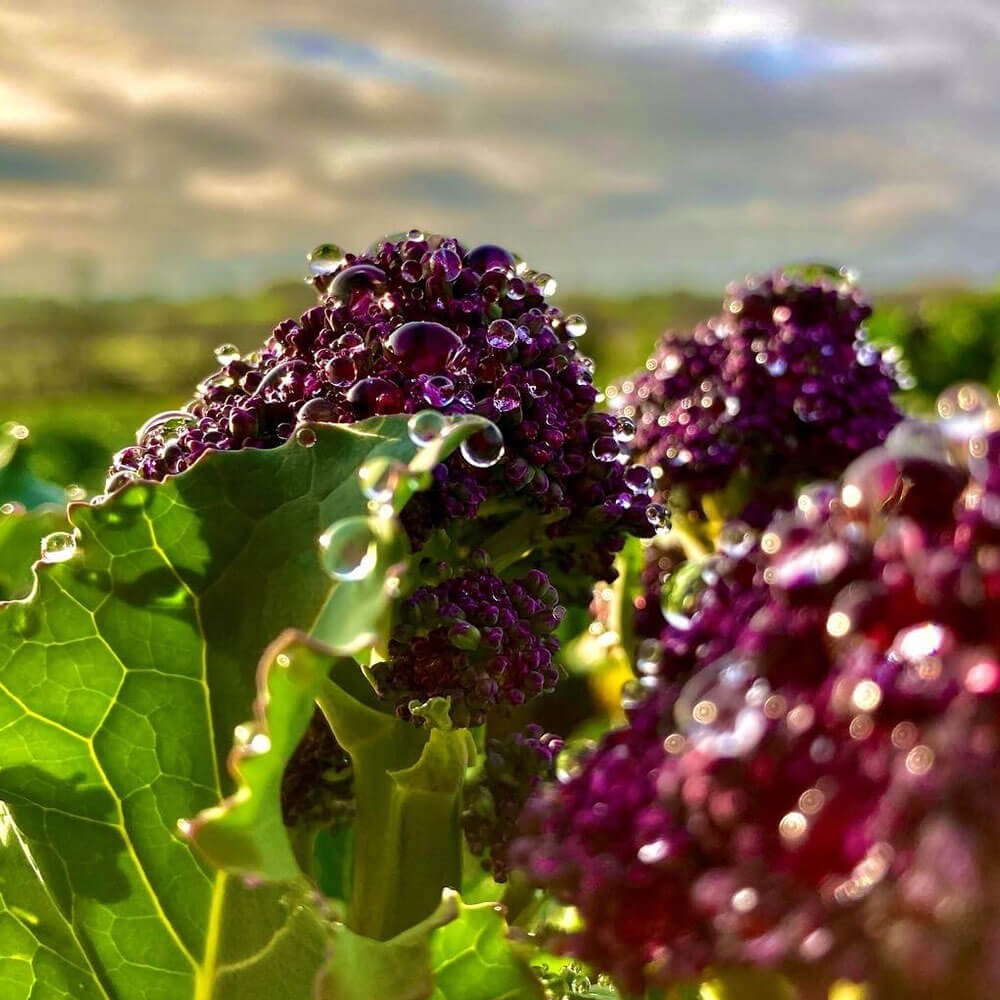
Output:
x,y
84,375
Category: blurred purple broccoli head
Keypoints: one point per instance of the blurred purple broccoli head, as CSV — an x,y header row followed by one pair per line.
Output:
x,y
780,388
818,796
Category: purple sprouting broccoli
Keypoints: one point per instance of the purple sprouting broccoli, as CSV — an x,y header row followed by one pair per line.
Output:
x,y
475,638
417,322
820,798
781,388
513,768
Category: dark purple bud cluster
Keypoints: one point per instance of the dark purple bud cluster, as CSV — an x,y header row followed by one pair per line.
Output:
x,y
781,388
819,799
420,322
475,638
318,785
512,769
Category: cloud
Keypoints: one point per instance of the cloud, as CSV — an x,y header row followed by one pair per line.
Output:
x,y
189,146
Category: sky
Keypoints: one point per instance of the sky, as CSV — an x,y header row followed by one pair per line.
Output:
x,y
189,147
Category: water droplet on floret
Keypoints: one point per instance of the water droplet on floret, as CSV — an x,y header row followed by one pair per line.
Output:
x,y
423,347
326,258
227,353
483,448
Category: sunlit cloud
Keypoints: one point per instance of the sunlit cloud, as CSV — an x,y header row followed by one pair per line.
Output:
x,y
188,146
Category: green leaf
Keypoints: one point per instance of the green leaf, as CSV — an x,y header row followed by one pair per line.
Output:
x,y
361,968
122,679
39,955
245,833
472,959
459,952
21,533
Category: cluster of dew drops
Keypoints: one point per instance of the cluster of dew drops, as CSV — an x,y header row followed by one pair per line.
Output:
x,y
349,548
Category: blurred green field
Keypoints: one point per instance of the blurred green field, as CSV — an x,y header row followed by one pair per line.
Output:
x,y
83,376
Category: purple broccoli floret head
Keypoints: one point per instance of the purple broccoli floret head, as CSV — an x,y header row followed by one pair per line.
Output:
x,y
475,638
417,322
781,388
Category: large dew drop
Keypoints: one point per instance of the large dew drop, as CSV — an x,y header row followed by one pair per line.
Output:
x,y
501,334
58,547
326,258
227,353
718,710
167,423
576,325
357,278
423,348
348,549
484,448
490,258
425,427
317,411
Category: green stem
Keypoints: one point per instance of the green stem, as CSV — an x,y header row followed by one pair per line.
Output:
x,y
407,834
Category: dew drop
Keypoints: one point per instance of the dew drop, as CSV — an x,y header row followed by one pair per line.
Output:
x,y
657,516
717,708
624,430
501,334
58,547
10,508
425,427
576,325
605,449
538,382
379,478
326,258
226,353
483,448
317,411
305,436
168,422
639,479
348,549
489,257
357,278
507,398
423,347
648,657
439,390
516,289
736,539
545,284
